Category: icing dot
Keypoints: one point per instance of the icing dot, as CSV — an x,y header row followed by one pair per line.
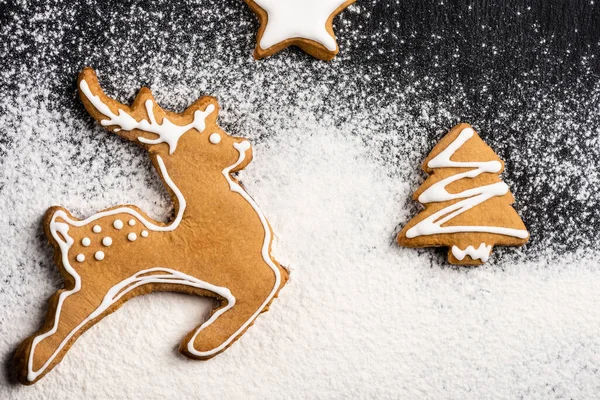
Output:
x,y
107,241
215,138
118,224
99,255
86,241
144,233
131,222
80,258
132,237
97,229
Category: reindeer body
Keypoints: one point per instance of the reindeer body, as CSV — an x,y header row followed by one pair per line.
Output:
x,y
217,245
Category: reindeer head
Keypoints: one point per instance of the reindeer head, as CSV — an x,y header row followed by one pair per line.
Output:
x,y
192,135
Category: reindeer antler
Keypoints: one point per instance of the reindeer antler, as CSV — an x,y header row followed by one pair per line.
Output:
x,y
126,118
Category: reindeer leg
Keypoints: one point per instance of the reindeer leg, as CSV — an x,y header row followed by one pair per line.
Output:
x,y
253,295
71,312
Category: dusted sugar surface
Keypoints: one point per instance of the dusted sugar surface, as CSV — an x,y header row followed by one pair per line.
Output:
x,y
338,147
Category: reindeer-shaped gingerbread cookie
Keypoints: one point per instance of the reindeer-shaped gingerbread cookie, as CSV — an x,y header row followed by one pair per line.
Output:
x,y
217,245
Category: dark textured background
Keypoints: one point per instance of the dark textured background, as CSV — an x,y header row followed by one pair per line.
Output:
x,y
524,73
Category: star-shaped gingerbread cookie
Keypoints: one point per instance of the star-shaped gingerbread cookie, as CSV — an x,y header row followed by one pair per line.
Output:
x,y
303,23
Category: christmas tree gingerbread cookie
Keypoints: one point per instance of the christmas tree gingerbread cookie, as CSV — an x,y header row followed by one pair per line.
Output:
x,y
218,244
307,24
467,206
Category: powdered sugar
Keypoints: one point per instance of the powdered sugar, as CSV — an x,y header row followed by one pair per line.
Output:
x,y
338,148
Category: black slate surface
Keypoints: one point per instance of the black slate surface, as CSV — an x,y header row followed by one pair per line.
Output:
x,y
524,73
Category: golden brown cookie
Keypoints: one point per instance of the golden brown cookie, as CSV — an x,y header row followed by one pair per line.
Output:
x,y
307,24
217,245
467,206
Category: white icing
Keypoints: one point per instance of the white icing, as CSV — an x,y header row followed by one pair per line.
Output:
x,y
304,19
115,293
482,253
437,192
97,229
235,187
107,241
59,230
167,132
131,222
215,138
86,242
132,237
80,258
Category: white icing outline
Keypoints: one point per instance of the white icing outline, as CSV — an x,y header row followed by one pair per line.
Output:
x,y
482,253
437,192
62,228
235,187
167,132
173,277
